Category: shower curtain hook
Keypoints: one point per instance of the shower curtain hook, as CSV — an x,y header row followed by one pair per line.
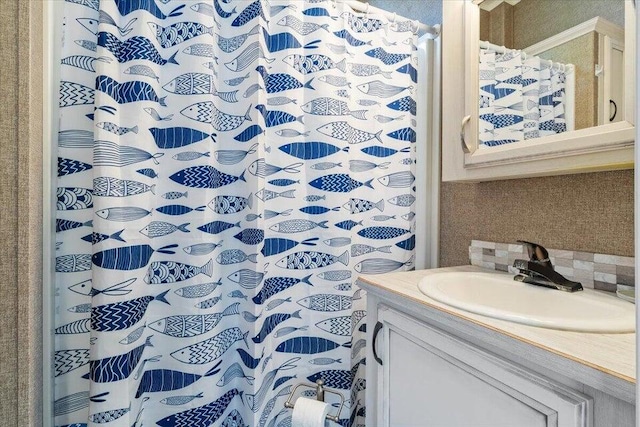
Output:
x,y
366,11
393,19
417,24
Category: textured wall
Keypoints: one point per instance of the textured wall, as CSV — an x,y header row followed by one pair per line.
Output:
x,y
590,212
21,214
536,20
9,223
582,52
426,11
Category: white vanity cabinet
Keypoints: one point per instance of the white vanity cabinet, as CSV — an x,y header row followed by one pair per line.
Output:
x,y
428,367
430,378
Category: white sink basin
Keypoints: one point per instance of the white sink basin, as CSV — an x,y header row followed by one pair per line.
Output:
x,y
497,295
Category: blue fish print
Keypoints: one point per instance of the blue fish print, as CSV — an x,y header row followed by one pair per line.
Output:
x,y
125,7
498,93
73,263
278,82
123,93
128,257
94,237
72,198
408,244
248,14
72,93
65,224
178,209
122,315
210,349
206,112
404,134
148,172
250,236
277,118
317,11
249,361
158,380
179,32
311,150
335,378
283,182
249,133
404,104
308,260
191,325
276,245
271,322
346,36
217,227
379,151
116,368
177,137
317,210
386,57
282,41
275,285
339,183
161,272
382,232
502,120
410,70
348,224
201,416
134,48
204,177
307,345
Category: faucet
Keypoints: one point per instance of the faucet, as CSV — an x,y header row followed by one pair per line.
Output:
x,y
539,271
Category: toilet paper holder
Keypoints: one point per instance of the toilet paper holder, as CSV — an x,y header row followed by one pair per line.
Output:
x,y
320,392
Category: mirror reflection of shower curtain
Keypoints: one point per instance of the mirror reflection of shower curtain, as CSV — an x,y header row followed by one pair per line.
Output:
x,y
519,99
224,177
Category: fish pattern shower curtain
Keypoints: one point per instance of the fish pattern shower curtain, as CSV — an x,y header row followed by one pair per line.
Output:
x,y
226,169
519,99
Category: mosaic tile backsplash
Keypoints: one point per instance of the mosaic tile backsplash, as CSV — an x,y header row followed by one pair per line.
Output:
x,y
595,271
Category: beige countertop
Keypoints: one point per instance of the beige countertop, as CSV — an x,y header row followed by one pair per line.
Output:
x,y
613,354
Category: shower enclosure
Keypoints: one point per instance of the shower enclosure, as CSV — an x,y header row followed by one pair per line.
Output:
x,y
220,174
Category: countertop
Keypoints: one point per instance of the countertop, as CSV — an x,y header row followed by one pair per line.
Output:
x,y
612,354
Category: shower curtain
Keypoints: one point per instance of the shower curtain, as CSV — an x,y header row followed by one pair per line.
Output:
x,y
520,99
226,169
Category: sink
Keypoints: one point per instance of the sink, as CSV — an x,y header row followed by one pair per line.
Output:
x,y
497,295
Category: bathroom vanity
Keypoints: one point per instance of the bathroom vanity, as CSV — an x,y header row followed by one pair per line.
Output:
x,y
431,364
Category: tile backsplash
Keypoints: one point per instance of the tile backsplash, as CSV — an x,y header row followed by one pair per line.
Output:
x,y
596,271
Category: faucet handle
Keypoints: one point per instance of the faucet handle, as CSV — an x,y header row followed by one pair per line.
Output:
x,y
537,253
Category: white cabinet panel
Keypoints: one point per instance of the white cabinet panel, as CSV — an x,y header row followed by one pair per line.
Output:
x,y
429,378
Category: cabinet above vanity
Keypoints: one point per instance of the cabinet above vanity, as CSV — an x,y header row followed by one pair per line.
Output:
x,y
430,363
537,88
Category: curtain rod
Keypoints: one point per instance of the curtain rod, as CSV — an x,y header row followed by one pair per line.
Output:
x,y
503,49
359,6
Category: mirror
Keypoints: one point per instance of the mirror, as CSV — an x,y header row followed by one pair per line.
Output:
x,y
548,67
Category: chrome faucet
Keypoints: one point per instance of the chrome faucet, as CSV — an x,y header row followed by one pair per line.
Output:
x,y
539,271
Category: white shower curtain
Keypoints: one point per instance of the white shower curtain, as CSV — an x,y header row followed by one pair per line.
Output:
x,y
226,170
519,99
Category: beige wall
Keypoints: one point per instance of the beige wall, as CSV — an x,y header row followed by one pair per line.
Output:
x,y
21,213
590,212
536,20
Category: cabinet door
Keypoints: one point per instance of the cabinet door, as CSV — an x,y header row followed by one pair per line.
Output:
x,y
429,378
606,147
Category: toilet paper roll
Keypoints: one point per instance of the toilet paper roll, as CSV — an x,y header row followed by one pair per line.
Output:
x,y
309,413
